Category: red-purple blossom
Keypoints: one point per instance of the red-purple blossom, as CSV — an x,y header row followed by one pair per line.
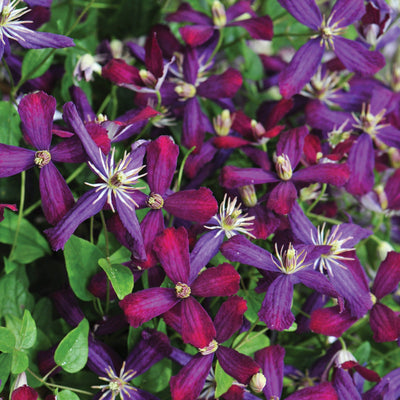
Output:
x,y
189,382
353,55
172,249
36,111
204,27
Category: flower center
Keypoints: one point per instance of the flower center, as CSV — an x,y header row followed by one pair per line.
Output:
x,y
155,201
148,78
42,158
182,290
283,167
211,348
368,122
290,261
9,16
327,32
185,90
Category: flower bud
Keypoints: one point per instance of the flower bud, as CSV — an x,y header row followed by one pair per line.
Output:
x,y
257,382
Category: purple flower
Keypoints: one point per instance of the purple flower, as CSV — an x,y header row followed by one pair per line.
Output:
x,y
353,55
12,27
116,188
36,111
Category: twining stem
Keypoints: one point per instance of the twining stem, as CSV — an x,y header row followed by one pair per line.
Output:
x,y
20,213
179,181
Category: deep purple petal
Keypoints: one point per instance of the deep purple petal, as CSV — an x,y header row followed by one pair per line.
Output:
x,y
188,384
193,129
56,196
354,233
40,40
258,27
140,307
37,111
71,116
233,177
361,162
356,58
101,357
237,365
330,322
204,250
162,155
344,385
390,136
321,391
317,281
282,197
197,326
69,150
172,249
14,160
291,143
229,318
152,347
221,86
302,227
240,249
302,67
85,207
129,219
185,13
82,104
67,306
276,308
319,116
154,58
196,35
346,12
197,205
388,276
305,11
334,174
121,73
271,361
385,323
216,281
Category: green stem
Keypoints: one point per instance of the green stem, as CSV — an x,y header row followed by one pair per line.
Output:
x,y
20,213
316,201
325,219
178,183
107,244
215,51
287,34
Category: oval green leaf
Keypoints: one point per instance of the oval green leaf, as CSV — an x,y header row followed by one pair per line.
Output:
x,y
7,340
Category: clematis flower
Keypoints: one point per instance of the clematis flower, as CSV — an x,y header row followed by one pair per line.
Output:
x,y
288,268
172,249
12,28
116,187
354,56
204,27
288,151
36,111
189,382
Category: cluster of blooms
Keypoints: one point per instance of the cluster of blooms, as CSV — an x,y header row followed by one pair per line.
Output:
x,y
325,151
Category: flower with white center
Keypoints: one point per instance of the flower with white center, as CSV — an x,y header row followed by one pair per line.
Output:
x,y
117,385
333,258
290,260
118,179
230,219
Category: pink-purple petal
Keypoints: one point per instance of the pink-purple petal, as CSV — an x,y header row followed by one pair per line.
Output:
x,y
357,58
233,177
216,281
56,196
321,391
385,323
282,197
142,306
346,12
38,40
193,128
291,143
334,174
197,205
301,69
196,35
220,86
258,27
36,111
388,276
197,326
237,365
331,322
305,11
14,160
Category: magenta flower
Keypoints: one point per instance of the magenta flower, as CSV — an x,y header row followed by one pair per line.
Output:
x,y
354,56
172,249
36,111
189,382
12,27
204,27
116,188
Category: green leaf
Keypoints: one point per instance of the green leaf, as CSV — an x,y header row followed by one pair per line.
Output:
x,y
67,395
10,133
28,331
254,302
81,259
72,353
120,256
121,277
5,369
223,381
36,62
255,341
156,378
7,340
253,68
30,246
20,362
14,294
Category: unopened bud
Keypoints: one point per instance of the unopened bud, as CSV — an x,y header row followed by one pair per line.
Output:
x,y
148,78
248,195
222,123
219,14
257,382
